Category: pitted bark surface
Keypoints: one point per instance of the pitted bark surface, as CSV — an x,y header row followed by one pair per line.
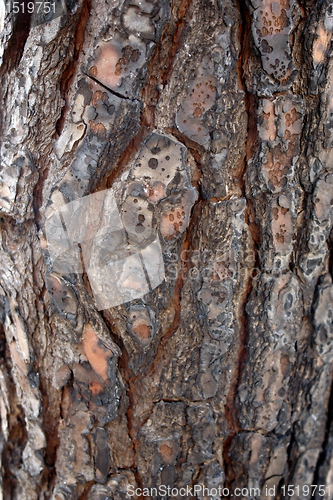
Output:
x,y
193,141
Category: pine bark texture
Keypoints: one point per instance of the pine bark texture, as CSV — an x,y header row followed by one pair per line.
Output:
x,y
211,121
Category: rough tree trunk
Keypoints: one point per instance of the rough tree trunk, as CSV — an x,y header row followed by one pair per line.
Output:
x,y
176,328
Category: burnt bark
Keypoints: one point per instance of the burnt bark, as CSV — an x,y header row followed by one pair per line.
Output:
x,y
166,296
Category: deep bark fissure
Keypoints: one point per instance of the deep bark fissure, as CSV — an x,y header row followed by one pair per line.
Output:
x,y
51,428
146,121
11,454
72,66
323,454
15,48
250,142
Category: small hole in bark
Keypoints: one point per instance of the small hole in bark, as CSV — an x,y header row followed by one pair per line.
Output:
x,y
153,163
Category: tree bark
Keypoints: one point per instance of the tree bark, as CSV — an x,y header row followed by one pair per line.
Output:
x,y
166,198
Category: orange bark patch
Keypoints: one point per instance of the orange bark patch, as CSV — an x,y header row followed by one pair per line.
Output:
x,y
282,228
278,165
140,324
172,223
175,221
128,55
166,452
320,45
98,129
282,21
272,22
142,330
274,17
99,95
104,66
202,96
93,71
96,352
157,192
222,271
291,117
96,388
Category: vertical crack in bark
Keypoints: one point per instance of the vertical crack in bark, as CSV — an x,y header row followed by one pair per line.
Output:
x,y
160,357
330,260
162,60
70,71
129,378
159,69
133,430
86,490
50,420
324,457
15,48
65,83
50,427
12,451
250,101
310,135
11,455
122,163
317,477
12,55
